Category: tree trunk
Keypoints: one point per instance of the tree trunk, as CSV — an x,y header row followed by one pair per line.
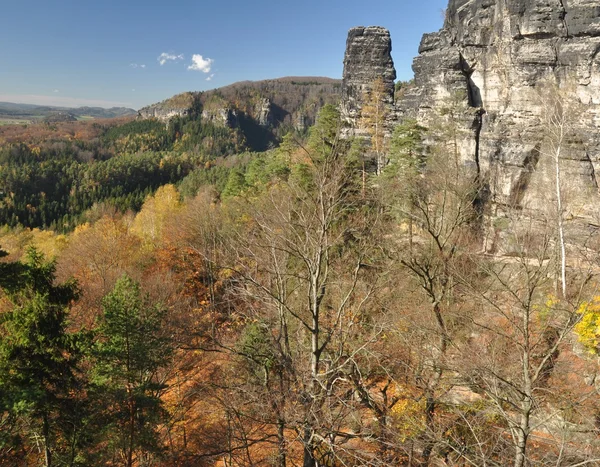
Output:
x,y
430,400
364,179
309,458
561,233
383,434
429,421
130,446
522,432
281,445
46,435
521,449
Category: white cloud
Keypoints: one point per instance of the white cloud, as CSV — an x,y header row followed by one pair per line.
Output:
x,y
165,57
142,66
199,63
209,78
135,65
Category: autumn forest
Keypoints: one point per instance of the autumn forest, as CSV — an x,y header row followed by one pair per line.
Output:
x,y
171,298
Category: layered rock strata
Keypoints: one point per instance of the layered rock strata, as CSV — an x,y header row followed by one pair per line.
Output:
x,y
497,61
503,58
161,114
368,59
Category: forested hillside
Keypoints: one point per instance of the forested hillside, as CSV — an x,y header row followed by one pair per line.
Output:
x,y
51,174
264,110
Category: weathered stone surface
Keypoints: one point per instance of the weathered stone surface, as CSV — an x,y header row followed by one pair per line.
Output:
x,y
176,106
162,114
500,55
368,57
221,116
263,112
494,59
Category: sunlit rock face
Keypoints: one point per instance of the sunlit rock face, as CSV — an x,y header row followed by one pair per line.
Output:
x,y
162,114
499,57
263,112
495,59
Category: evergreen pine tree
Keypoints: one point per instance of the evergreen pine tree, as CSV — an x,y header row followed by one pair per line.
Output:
x,y
39,359
130,351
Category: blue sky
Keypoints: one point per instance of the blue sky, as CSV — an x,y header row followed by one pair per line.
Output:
x,y
109,52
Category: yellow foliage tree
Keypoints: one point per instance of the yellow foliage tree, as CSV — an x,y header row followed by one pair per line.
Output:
x,y
150,222
97,255
588,328
374,113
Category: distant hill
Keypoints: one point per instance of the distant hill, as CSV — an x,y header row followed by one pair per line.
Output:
x,y
291,101
11,110
57,117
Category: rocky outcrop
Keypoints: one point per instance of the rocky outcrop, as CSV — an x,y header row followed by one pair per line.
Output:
x,y
59,117
279,103
176,106
221,116
263,112
163,115
500,57
494,61
368,59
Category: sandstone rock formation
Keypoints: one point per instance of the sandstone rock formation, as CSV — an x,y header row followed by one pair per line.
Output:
x,y
495,60
368,58
221,115
163,115
263,112
176,106
501,56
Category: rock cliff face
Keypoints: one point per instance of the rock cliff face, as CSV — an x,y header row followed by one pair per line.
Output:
x,y
164,114
500,57
263,112
495,60
257,114
176,106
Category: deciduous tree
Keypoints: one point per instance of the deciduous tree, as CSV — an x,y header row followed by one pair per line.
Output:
x,y
374,113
